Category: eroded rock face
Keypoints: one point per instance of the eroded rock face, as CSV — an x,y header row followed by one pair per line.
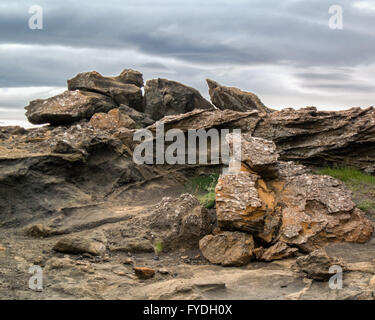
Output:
x,y
68,107
165,97
228,248
112,120
288,210
121,89
141,119
234,99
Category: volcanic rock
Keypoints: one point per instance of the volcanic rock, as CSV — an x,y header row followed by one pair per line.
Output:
x,y
121,88
228,248
234,99
67,107
165,97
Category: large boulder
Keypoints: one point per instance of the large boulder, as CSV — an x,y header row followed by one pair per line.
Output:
x,y
121,88
68,107
234,99
228,248
165,97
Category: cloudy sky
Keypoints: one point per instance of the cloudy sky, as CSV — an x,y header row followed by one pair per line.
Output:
x,y
284,51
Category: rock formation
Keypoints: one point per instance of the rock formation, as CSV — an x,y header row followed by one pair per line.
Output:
x,y
89,213
68,107
234,99
164,97
284,211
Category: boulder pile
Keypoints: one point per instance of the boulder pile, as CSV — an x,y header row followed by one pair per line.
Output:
x,y
273,209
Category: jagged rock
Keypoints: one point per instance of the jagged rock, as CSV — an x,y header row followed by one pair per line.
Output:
x,y
121,88
67,107
228,248
257,153
234,99
165,97
114,119
77,245
301,209
131,76
316,265
278,251
318,210
306,135
144,273
240,205
141,119
180,222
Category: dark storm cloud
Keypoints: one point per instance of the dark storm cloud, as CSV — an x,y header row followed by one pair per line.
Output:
x,y
272,47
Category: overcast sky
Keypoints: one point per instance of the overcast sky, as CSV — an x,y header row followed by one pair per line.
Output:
x,y
284,51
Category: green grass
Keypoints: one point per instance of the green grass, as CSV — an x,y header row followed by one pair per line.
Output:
x,y
361,184
203,187
349,175
366,205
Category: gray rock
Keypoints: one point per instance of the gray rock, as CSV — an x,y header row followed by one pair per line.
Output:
x,y
165,97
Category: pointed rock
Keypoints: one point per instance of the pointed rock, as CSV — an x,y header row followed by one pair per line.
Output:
x,y
235,99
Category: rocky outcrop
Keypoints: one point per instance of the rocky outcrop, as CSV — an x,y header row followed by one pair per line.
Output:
x,y
228,248
121,89
289,209
112,120
234,99
68,107
141,119
165,97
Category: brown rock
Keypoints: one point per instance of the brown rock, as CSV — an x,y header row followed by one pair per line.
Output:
x,y
316,265
38,231
228,248
121,89
318,210
278,251
114,119
67,107
234,99
165,97
131,76
144,273
77,245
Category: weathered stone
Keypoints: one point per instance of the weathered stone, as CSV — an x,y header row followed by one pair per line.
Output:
x,y
141,119
76,245
112,120
165,97
316,265
131,76
121,89
234,99
180,222
67,107
244,202
278,251
38,231
144,273
228,248
257,153
318,210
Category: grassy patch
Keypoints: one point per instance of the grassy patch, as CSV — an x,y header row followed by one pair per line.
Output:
x,y
203,187
349,175
362,185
